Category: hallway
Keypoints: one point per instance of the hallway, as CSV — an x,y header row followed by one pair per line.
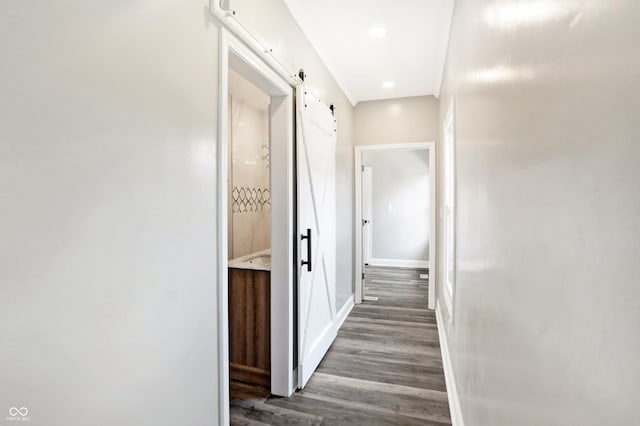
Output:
x,y
384,368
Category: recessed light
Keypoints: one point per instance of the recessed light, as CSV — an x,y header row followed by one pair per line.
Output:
x,y
388,84
377,32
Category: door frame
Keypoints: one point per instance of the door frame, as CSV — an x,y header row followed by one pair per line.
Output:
x,y
358,270
233,53
367,249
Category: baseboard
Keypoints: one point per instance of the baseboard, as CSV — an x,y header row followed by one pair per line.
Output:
x,y
400,263
344,312
452,390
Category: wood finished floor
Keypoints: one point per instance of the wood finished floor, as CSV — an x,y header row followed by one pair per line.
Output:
x,y
384,368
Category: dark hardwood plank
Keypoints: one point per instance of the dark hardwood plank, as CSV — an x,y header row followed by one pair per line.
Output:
x,y
275,415
382,371
384,368
343,413
386,398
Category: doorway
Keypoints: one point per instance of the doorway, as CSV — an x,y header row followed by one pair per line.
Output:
x,y
249,232
238,61
366,208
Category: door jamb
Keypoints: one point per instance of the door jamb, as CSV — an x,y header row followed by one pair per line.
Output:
x,y
358,151
369,229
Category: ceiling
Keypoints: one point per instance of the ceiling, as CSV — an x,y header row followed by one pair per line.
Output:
x,y
411,53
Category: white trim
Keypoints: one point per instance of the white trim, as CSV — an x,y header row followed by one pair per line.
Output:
x,y
444,49
283,273
222,232
449,291
233,53
449,376
227,18
367,206
358,150
433,230
357,270
400,263
344,312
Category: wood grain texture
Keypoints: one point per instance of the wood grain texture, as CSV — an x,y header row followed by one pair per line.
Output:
x,y
250,326
248,374
384,368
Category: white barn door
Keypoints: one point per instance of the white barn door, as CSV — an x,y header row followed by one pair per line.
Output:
x,y
316,153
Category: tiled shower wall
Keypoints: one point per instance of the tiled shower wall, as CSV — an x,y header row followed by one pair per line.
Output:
x,y
249,189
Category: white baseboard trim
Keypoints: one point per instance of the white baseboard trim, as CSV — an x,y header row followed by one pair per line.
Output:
x,y
452,390
344,312
399,263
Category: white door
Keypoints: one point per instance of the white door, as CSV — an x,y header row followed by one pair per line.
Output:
x,y
316,151
367,209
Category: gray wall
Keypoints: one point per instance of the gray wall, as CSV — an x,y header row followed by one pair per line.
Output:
x,y
107,176
547,304
402,120
400,178
108,219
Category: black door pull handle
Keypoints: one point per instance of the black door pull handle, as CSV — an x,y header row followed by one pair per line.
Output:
x,y
308,238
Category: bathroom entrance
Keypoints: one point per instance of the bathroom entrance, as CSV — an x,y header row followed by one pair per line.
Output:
x,y
249,233
276,269
256,225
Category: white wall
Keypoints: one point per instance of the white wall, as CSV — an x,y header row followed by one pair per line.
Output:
x,y
249,189
400,181
108,219
548,211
